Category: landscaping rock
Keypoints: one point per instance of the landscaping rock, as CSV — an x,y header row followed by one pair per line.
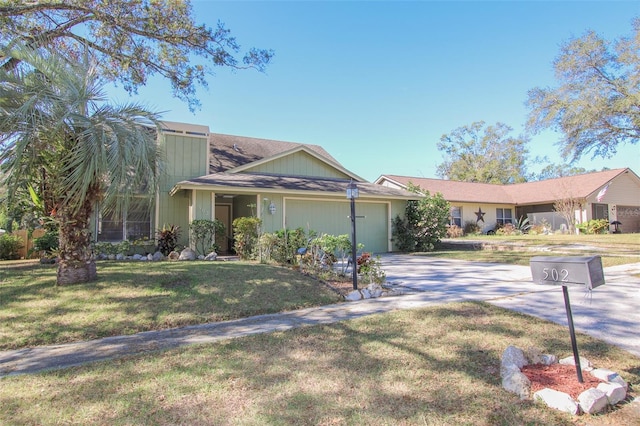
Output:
x,y
585,364
513,356
120,256
211,256
137,257
535,356
354,295
517,383
609,376
187,254
590,401
375,290
548,359
558,400
615,392
157,256
174,255
593,401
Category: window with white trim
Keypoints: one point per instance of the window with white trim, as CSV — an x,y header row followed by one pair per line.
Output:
x,y
131,225
504,216
456,216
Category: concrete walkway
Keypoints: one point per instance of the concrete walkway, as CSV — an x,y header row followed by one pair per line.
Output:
x,y
611,313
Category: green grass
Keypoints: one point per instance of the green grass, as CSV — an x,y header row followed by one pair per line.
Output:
x,y
614,249
435,366
130,297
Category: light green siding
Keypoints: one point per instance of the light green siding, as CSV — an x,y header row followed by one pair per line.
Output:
x,y
202,206
186,158
299,164
332,217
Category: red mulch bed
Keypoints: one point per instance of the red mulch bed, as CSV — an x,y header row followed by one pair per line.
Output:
x,y
342,287
559,377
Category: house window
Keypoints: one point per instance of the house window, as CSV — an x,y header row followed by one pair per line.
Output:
x,y
504,216
600,211
456,216
131,225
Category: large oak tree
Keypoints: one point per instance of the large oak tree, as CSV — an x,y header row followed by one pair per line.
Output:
x,y
131,40
486,154
596,105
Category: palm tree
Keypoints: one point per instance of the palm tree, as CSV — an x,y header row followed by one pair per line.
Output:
x,y
58,135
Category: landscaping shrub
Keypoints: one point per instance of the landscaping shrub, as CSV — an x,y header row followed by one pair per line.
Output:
x,y
472,228
288,242
508,229
204,231
46,244
541,228
454,231
168,238
370,269
425,222
594,226
246,231
9,246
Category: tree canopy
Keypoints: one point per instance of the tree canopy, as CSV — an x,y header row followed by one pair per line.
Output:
x,y
72,150
596,105
130,40
480,153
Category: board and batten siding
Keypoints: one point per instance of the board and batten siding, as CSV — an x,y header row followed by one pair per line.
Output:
x,y
298,164
332,217
186,157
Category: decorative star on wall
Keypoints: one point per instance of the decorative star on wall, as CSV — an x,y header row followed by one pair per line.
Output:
x,y
480,215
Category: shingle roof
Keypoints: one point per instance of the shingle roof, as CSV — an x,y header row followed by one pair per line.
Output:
x,y
544,191
229,152
250,182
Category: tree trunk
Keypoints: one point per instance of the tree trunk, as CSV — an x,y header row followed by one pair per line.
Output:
x,y
76,261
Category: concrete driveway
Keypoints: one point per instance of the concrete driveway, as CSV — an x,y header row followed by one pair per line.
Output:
x,y
610,312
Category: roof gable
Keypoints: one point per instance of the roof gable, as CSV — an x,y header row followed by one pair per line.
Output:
x,y
231,152
298,161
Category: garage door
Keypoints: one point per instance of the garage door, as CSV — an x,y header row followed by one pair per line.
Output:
x,y
629,216
332,217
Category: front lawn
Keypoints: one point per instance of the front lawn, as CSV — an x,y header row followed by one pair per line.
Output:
x,y
432,366
614,249
130,297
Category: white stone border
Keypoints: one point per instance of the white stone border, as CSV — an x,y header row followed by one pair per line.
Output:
x,y
592,401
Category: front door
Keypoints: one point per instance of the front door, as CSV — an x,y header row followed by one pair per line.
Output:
x,y
224,242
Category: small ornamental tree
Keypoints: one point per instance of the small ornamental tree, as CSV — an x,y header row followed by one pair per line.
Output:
x,y
246,231
425,222
203,232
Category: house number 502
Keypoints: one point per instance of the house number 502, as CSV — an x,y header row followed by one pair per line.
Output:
x,y
552,274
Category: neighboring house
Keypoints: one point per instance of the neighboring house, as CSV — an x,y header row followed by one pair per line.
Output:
x,y
612,194
287,185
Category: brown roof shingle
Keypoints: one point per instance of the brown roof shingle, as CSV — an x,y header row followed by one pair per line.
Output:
x,y
540,192
229,152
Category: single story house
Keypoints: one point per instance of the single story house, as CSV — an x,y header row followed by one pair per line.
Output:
x,y
287,185
611,194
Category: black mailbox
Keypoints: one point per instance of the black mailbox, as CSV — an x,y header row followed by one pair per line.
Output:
x,y
583,270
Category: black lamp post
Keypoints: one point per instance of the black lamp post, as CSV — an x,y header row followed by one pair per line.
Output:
x,y
352,194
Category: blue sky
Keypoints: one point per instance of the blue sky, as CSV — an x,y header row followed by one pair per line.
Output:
x,y
378,83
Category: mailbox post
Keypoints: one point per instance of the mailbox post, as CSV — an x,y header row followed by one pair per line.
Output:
x,y
564,271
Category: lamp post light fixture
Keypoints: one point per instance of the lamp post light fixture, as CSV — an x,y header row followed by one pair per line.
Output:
x,y
352,194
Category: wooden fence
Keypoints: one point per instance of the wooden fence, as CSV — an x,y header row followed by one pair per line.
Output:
x,y
27,241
